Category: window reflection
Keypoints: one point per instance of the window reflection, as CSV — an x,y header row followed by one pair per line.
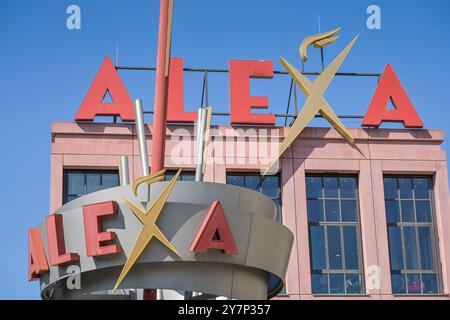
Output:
x,y
184,175
337,284
395,248
410,234
334,247
334,238
353,283
317,241
319,283
78,183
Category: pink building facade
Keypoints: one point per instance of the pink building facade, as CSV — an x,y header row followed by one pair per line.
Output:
x,y
377,154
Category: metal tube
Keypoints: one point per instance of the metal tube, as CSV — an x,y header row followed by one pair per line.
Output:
x,y
278,115
311,73
161,85
203,90
140,131
124,171
206,89
322,59
199,121
295,101
289,101
200,143
201,126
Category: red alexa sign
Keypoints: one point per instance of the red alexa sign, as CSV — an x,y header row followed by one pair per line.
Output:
x,y
214,223
241,102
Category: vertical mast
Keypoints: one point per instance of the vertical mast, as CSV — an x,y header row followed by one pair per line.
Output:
x,y
162,83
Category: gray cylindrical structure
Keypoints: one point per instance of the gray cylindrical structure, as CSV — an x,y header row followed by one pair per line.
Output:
x,y
124,171
140,131
263,245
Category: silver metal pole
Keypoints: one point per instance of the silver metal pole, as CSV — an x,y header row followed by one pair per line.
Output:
x,y
200,143
201,127
140,131
124,171
199,121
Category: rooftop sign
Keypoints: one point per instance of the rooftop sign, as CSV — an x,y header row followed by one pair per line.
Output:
x,y
241,102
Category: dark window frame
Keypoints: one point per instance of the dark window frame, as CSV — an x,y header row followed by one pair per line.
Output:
x,y
66,172
341,224
434,235
172,172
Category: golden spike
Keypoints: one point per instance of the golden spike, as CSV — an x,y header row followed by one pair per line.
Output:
x,y
149,230
314,104
137,212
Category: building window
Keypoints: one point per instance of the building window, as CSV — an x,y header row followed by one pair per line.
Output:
x,y
184,175
411,234
270,186
78,183
334,234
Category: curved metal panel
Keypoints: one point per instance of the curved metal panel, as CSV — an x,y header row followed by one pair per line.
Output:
x,y
264,245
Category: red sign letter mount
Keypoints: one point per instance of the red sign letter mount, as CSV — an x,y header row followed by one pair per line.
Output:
x,y
390,88
106,80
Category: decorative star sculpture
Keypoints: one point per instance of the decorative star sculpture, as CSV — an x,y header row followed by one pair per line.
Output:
x,y
314,90
148,218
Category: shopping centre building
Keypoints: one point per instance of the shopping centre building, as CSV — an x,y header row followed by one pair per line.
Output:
x,y
344,213
369,220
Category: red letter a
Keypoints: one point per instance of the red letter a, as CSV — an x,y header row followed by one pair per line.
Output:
x,y
390,87
106,80
215,232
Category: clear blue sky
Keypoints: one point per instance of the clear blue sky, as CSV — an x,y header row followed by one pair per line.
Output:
x,y
46,69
